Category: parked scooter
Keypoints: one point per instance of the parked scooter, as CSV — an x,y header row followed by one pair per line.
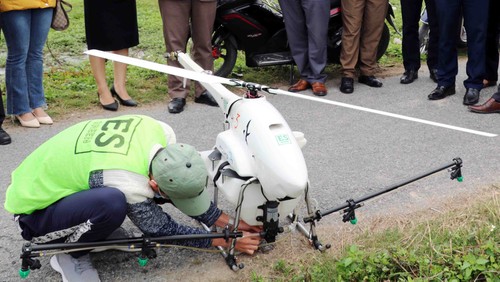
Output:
x,y
423,33
258,29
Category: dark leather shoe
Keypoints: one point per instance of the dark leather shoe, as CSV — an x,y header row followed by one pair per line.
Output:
x,y
207,99
301,85
110,107
433,75
319,88
491,106
471,96
4,137
347,85
128,103
408,77
370,80
176,105
441,92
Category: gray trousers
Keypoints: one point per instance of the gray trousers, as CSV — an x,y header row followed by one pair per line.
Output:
x,y
176,16
306,23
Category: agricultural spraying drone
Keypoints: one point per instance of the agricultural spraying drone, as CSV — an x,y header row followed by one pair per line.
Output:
x,y
256,163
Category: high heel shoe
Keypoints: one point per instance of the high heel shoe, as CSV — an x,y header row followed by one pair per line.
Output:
x,y
44,120
110,107
128,103
33,123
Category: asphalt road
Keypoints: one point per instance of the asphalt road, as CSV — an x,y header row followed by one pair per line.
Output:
x,y
349,153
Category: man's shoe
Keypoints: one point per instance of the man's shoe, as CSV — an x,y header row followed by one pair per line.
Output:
x,y
4,137
408,77
491,106
319,89
74,269
301,85
207,99
370,80
471,96
176,105
433,75
347,85
441,92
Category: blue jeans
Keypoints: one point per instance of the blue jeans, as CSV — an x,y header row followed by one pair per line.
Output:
x,y
25,34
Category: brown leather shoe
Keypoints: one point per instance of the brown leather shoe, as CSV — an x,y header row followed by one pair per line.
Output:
x,y
491,106
319,89
301,85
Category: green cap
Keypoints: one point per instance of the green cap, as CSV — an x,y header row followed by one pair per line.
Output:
x,y
180,172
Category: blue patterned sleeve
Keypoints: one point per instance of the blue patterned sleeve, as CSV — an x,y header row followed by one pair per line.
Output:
x,y
210,216
154,222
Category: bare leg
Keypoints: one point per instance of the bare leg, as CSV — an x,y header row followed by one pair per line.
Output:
x,y
98,66
120,76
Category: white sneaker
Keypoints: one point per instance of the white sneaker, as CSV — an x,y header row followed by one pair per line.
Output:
x,y
74,269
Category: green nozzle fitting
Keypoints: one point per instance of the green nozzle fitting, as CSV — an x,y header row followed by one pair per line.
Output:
x,y
24,273
142,261
354,221
460,179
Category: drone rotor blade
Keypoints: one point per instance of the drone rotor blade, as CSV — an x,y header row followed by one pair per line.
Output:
x,y
354,107
207,78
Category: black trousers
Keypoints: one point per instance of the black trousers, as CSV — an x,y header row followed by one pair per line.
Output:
x,y
475,15
492,36
85,216
410,12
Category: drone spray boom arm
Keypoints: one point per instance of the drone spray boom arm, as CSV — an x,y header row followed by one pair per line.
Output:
x,y
145,244
351,205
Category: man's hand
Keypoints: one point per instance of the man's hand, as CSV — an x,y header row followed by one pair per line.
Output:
x,y
247,244
243,226
224,220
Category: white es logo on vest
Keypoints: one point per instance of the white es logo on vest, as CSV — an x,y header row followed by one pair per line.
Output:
x,y
107,136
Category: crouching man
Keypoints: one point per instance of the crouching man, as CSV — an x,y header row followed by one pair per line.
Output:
x,y
79,185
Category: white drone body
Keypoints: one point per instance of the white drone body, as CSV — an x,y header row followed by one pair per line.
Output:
x,y
258,143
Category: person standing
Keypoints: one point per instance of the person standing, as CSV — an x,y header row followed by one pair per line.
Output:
x,y
26,25
180,20
306,24
475,13
111,26
363,22
410,11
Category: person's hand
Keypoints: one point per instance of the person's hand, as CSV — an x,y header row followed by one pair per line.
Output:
x,y
224,220
243,226
247,244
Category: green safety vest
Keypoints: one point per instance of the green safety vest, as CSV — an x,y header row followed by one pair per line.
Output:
x,y
62,165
